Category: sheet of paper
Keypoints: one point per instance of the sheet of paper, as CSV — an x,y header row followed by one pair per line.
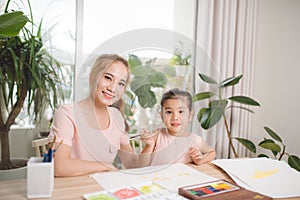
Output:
x,y
168,176
267,176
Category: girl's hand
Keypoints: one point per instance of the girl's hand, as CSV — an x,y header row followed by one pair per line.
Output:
x,y
196,155
149,138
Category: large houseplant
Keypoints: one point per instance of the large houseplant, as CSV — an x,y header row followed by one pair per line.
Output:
x,y
27,73
219,103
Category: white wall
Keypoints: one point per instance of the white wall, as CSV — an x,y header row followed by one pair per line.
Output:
x,y
277,71
184,17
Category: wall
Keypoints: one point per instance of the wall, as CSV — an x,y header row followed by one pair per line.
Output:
x,y
184,17
277,71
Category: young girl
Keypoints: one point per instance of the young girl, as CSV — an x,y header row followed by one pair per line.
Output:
x,y
92,130
175,143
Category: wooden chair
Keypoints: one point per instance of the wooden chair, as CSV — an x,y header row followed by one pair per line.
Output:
x,y
40,146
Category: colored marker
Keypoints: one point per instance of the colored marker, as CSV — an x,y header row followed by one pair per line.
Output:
x,y
45,157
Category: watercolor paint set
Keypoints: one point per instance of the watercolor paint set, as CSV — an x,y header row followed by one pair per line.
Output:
x,y
219,190
207,189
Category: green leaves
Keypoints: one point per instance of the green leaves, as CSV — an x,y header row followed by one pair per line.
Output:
x,y
134,61
271,145
145,77
230,81
247,143
227,82
273,134
146,97
201,96
12,23
158,79
208,117
244,100
294,162
207,79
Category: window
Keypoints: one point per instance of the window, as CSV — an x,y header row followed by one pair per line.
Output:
x,y
104,19
72,42
116,26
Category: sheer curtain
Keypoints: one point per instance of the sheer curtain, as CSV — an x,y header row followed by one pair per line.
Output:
x,y
226,32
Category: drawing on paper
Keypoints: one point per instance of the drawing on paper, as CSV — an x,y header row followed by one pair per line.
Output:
x,y
264,174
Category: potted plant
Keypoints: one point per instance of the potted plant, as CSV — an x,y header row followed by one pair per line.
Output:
x,y
179,57
181,61
219,103
27,73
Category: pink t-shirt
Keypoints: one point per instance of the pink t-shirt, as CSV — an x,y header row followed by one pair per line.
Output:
x,y
88,143
171,149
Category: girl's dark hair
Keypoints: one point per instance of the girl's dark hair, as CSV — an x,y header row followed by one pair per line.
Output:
x,y
175,94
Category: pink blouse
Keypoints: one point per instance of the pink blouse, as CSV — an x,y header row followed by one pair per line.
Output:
x,y
88,143
171,149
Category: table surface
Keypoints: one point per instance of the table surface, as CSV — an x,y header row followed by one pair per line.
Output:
x,y
75,187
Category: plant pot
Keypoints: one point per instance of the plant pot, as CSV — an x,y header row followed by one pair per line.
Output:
x,y
17,173
183,79
181,69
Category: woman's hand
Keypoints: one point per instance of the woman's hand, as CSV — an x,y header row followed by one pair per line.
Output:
x,y
64,165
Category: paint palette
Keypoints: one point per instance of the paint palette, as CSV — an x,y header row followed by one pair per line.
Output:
x,y
207,189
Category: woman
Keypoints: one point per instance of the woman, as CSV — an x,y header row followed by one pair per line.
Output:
x,y
92,131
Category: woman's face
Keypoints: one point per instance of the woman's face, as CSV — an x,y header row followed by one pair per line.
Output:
x,y
112,84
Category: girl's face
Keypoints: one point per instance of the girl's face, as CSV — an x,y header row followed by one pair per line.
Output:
x,y
112,84
176,115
